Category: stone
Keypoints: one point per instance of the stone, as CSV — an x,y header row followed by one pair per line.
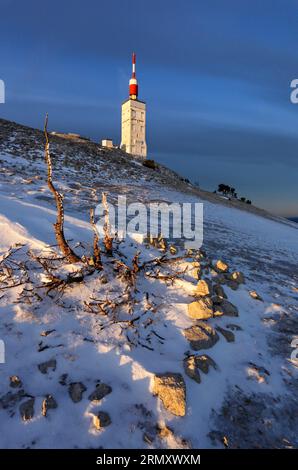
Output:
x,y
201,336
221,267
27,409
255,295
238,277
219,292
228,335
15,381
229,309
191,368
204,288
200,309
76,390
100,392
195,363
170,388
47,332
204,362
164,431
49,403
218,311
44,366
101,420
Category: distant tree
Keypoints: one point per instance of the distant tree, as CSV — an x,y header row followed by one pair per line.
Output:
x,y
248,201
232,192
150,164
242,199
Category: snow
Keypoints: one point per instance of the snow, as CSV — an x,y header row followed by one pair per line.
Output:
x,y
90,348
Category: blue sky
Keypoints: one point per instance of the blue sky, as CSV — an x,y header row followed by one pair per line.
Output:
x,y
215,75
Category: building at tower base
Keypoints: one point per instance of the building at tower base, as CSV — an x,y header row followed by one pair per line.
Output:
x,y
133,120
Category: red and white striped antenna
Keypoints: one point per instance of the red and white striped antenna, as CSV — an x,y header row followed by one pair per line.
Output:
x,y
133,83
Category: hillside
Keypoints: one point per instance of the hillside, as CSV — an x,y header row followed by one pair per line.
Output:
x,y
114,358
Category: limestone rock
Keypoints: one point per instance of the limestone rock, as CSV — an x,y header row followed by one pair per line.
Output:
x,y
238,277
201,336
204,288
170,388
229,309
27,409
44,366
76,390
200,309
191,369
221,267
229,335
204,362
101,420
218,311
49,403
255,295
15,381
100,392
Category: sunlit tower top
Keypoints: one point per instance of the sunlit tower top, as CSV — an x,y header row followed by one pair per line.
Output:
x,y
133,83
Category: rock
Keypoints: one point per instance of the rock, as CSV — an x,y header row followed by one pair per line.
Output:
x,y
164,432
44,366
229,309
101,420
191,368
76,390
15,381
49,403
255,295
204,362
221,267
201,336
238,277
219,292
201,309
233,327
229,336
204,288
46,332
27,409
218,311
170,388
192,365
100,392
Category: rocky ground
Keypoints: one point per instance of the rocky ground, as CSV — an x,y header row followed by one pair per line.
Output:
x,y
188,349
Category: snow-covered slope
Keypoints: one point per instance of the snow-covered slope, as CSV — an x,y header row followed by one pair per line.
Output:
x,y
85,328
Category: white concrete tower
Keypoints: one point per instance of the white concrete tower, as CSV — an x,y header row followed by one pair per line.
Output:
x,y
133,122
